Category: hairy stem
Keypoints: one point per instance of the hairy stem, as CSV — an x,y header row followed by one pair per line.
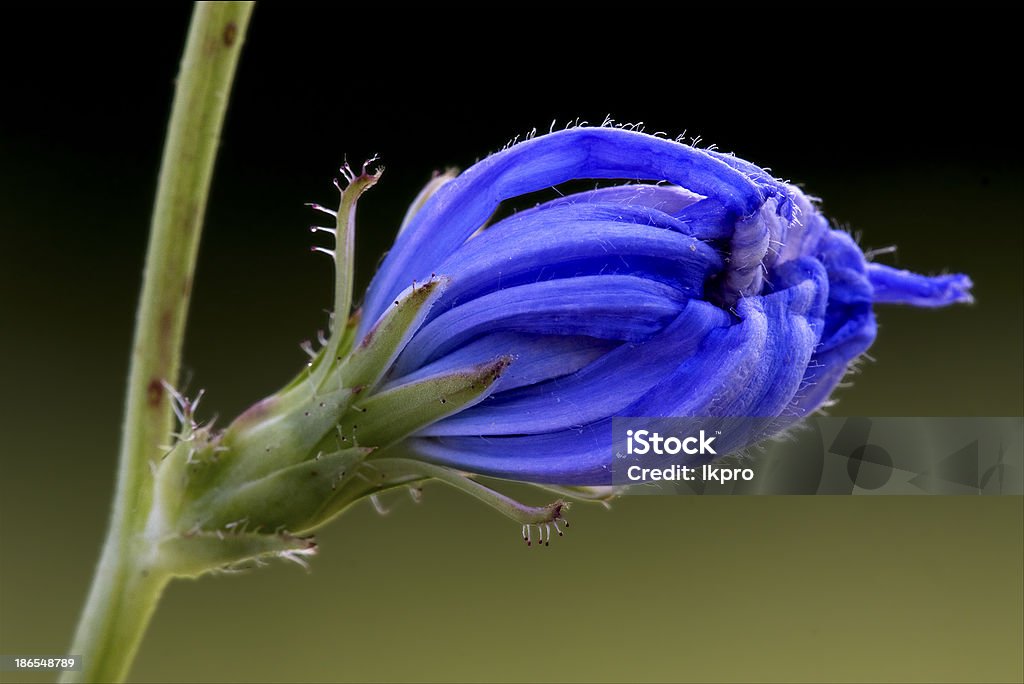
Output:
x,y
126,587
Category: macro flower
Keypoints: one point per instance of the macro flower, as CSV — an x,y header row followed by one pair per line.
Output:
x,y
692,284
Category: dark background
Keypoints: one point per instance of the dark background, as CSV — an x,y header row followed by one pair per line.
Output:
x,y
909,135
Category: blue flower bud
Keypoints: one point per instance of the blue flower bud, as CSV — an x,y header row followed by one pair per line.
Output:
x,y
701,287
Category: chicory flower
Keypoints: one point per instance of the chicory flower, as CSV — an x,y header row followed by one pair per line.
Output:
x,y
696,284
701,287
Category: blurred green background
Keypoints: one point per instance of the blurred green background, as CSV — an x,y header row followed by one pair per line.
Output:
x,y
658,589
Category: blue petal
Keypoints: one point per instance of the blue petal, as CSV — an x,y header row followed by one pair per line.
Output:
x,y
708,219
559,243
849,327
459,208
796,316
849,318
753,368
600,390
578,457
894,286
715,379
784,193
570,209
806,232
664,198
535,357
607,307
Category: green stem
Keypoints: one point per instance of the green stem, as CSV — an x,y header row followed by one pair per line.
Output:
x,y
126,586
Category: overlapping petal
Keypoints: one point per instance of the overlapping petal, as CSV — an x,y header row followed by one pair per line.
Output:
x,y
603,388
462,206
614,307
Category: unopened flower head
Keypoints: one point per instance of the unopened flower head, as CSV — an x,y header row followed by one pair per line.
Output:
x,y
702,287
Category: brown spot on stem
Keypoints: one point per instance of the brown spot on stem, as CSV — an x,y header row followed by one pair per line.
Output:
x,y
154,392
230,34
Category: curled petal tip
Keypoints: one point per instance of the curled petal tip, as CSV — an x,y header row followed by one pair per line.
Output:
x,y
895,286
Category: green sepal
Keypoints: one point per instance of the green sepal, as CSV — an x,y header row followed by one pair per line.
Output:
x,y
347,338
374,354
344,265
394,414
192,554
281,431
370,481
398,469
602,494
289,499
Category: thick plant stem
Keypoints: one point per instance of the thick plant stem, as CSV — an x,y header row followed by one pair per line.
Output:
x,y
127,585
